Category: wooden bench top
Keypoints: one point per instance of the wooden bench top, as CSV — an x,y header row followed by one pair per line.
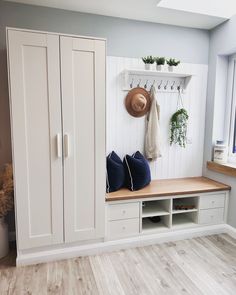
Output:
x,y
168,187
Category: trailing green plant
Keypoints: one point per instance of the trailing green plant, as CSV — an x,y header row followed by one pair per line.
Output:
x,y
148,59
178,127
172,62
160,60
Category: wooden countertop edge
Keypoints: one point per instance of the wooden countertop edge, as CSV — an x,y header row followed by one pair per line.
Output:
x,y
140,195
226,169
109,199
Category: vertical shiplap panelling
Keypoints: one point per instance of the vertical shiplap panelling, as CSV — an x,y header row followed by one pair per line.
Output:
x,y
125,134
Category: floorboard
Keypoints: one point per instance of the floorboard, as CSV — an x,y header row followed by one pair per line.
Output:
x,y
199,266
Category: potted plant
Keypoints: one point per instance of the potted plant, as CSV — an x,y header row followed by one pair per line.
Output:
x,y
172,63
6,205
160,61
148,61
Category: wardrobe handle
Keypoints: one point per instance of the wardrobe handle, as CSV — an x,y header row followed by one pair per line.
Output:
x,y
66,146
59,147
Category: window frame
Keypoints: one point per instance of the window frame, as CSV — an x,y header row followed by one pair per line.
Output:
x,y
232,113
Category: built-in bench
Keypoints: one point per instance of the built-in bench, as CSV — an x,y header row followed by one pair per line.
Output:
x,y
204,202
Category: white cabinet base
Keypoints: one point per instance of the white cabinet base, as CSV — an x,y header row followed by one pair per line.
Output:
x,y
54,253
209,209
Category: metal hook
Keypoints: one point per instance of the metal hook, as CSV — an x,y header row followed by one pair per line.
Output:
x,y
131,84
159,86
138,85
145,86
152,84
179,87
165,87
172,86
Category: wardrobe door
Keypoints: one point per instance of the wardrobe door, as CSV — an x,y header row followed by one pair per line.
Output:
x,y
34,76
83,105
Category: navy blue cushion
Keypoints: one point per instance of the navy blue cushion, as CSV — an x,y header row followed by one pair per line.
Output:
x,y
137,171
115,173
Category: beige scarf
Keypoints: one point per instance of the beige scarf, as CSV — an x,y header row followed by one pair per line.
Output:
x,y
152,144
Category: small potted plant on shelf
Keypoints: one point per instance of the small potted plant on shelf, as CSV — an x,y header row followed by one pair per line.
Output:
x,y
160,61
6,205
148,61
172,63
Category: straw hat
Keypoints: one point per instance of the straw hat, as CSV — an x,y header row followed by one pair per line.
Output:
x,y
138,102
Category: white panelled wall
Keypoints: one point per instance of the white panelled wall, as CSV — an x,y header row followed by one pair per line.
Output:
x,y
125,134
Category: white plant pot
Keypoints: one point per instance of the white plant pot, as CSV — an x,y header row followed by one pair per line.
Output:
x,y
148,67
170,68
4,244
159,67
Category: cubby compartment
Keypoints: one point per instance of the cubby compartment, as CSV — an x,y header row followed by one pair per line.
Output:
x,y
148,225
156,208
185,205
184,219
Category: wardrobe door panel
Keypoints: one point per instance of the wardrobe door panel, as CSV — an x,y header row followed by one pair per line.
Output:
x,y
34,76
83,101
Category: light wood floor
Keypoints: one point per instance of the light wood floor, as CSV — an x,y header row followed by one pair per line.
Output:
x,y
198,266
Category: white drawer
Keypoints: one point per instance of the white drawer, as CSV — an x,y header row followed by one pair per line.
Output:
x,y
212,201
211,216
123,211
123,228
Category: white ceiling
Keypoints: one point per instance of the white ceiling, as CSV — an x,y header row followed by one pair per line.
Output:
x,y
219,8
204,14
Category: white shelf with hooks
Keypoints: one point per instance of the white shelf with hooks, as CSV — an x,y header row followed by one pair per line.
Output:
x,y
167,81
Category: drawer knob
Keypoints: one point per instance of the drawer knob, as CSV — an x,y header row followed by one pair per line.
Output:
x,y
124,211
123,227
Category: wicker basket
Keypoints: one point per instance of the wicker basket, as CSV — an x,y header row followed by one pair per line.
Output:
x,y
6,205
4,244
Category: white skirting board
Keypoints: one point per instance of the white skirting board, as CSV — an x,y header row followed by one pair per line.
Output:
x,y
109,246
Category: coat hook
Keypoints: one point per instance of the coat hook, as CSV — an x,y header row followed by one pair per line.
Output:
x,y
172,86
145,86
159,86
165,87
138,85
179,87
131,84
152,84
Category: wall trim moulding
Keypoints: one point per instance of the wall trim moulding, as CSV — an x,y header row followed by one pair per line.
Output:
x,y
109,246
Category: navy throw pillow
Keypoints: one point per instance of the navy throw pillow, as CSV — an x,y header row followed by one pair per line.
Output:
x,y
115,173
137,171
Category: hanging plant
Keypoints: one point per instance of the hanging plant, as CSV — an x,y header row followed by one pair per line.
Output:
x,y
178,128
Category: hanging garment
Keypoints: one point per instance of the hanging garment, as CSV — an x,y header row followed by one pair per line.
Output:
x,y
152,144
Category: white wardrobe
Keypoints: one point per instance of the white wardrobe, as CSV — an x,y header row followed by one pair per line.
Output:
x,y
57,99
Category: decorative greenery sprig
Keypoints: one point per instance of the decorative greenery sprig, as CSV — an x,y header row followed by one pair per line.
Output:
x,y
160,60
178,127
148,59
172,62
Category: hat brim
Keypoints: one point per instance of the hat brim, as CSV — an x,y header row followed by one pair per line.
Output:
x,y
128,101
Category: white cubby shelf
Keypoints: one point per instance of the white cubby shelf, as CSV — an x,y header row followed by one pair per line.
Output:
x,y
170,218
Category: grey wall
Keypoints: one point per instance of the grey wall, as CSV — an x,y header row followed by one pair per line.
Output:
x,y
222,42
125,38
